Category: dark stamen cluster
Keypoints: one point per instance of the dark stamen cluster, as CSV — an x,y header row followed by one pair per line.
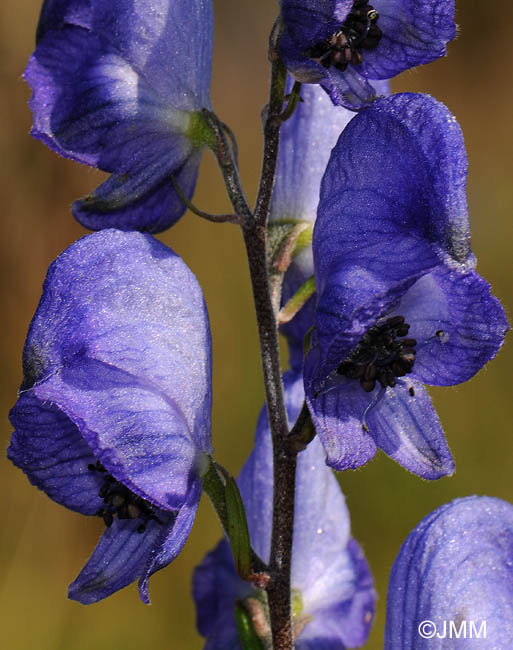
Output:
x,y
359,31
380,355
121,502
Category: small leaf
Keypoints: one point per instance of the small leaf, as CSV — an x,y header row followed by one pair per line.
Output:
x,y
238,532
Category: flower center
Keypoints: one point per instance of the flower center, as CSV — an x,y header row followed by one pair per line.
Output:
x,y
121,502
381,355
358,31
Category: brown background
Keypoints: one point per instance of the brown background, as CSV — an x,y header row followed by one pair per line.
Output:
x,y
43,546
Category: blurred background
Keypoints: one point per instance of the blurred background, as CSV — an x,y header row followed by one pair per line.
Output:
x,y
42,545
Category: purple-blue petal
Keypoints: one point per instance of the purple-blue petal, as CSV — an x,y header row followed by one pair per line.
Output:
x,y
456,565
49,448
124,555
171,540
154,211
169,44
309,21
306,141
57,13
458,324
352,424
120,343
350,89
346,624
216,587
138,433
408,430
392,209
337,414
414,32
393,195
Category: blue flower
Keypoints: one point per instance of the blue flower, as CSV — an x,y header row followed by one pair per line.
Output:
x,y
332,591
120,87
113,416
455,567
399,302
345,45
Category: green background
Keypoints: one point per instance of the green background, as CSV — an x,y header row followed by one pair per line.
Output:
x,y
42,545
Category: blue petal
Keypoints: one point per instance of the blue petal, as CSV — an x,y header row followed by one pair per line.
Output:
x,y
307,22
407,428
57,13
393,195
455,566
216,588
347,307
90,104
48,447
350,89
154,211
169,44
124,555
171,541
392,209
414,32
337,414
470,323
122,316
306,141
114,86
346,624
139,434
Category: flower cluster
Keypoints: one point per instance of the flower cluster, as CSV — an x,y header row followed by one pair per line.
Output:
x,y
113,415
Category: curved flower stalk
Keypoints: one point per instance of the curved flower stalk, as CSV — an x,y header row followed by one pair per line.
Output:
x,y
454,571
113,416
332,591
119,86
399,302
347,45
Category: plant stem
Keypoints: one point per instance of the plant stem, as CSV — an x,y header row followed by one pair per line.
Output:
x,y
284,458
254,228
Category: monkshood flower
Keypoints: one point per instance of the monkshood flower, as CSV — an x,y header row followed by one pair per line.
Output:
x,y
119,85
345,45
113,415
399,302
454,575
332,590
